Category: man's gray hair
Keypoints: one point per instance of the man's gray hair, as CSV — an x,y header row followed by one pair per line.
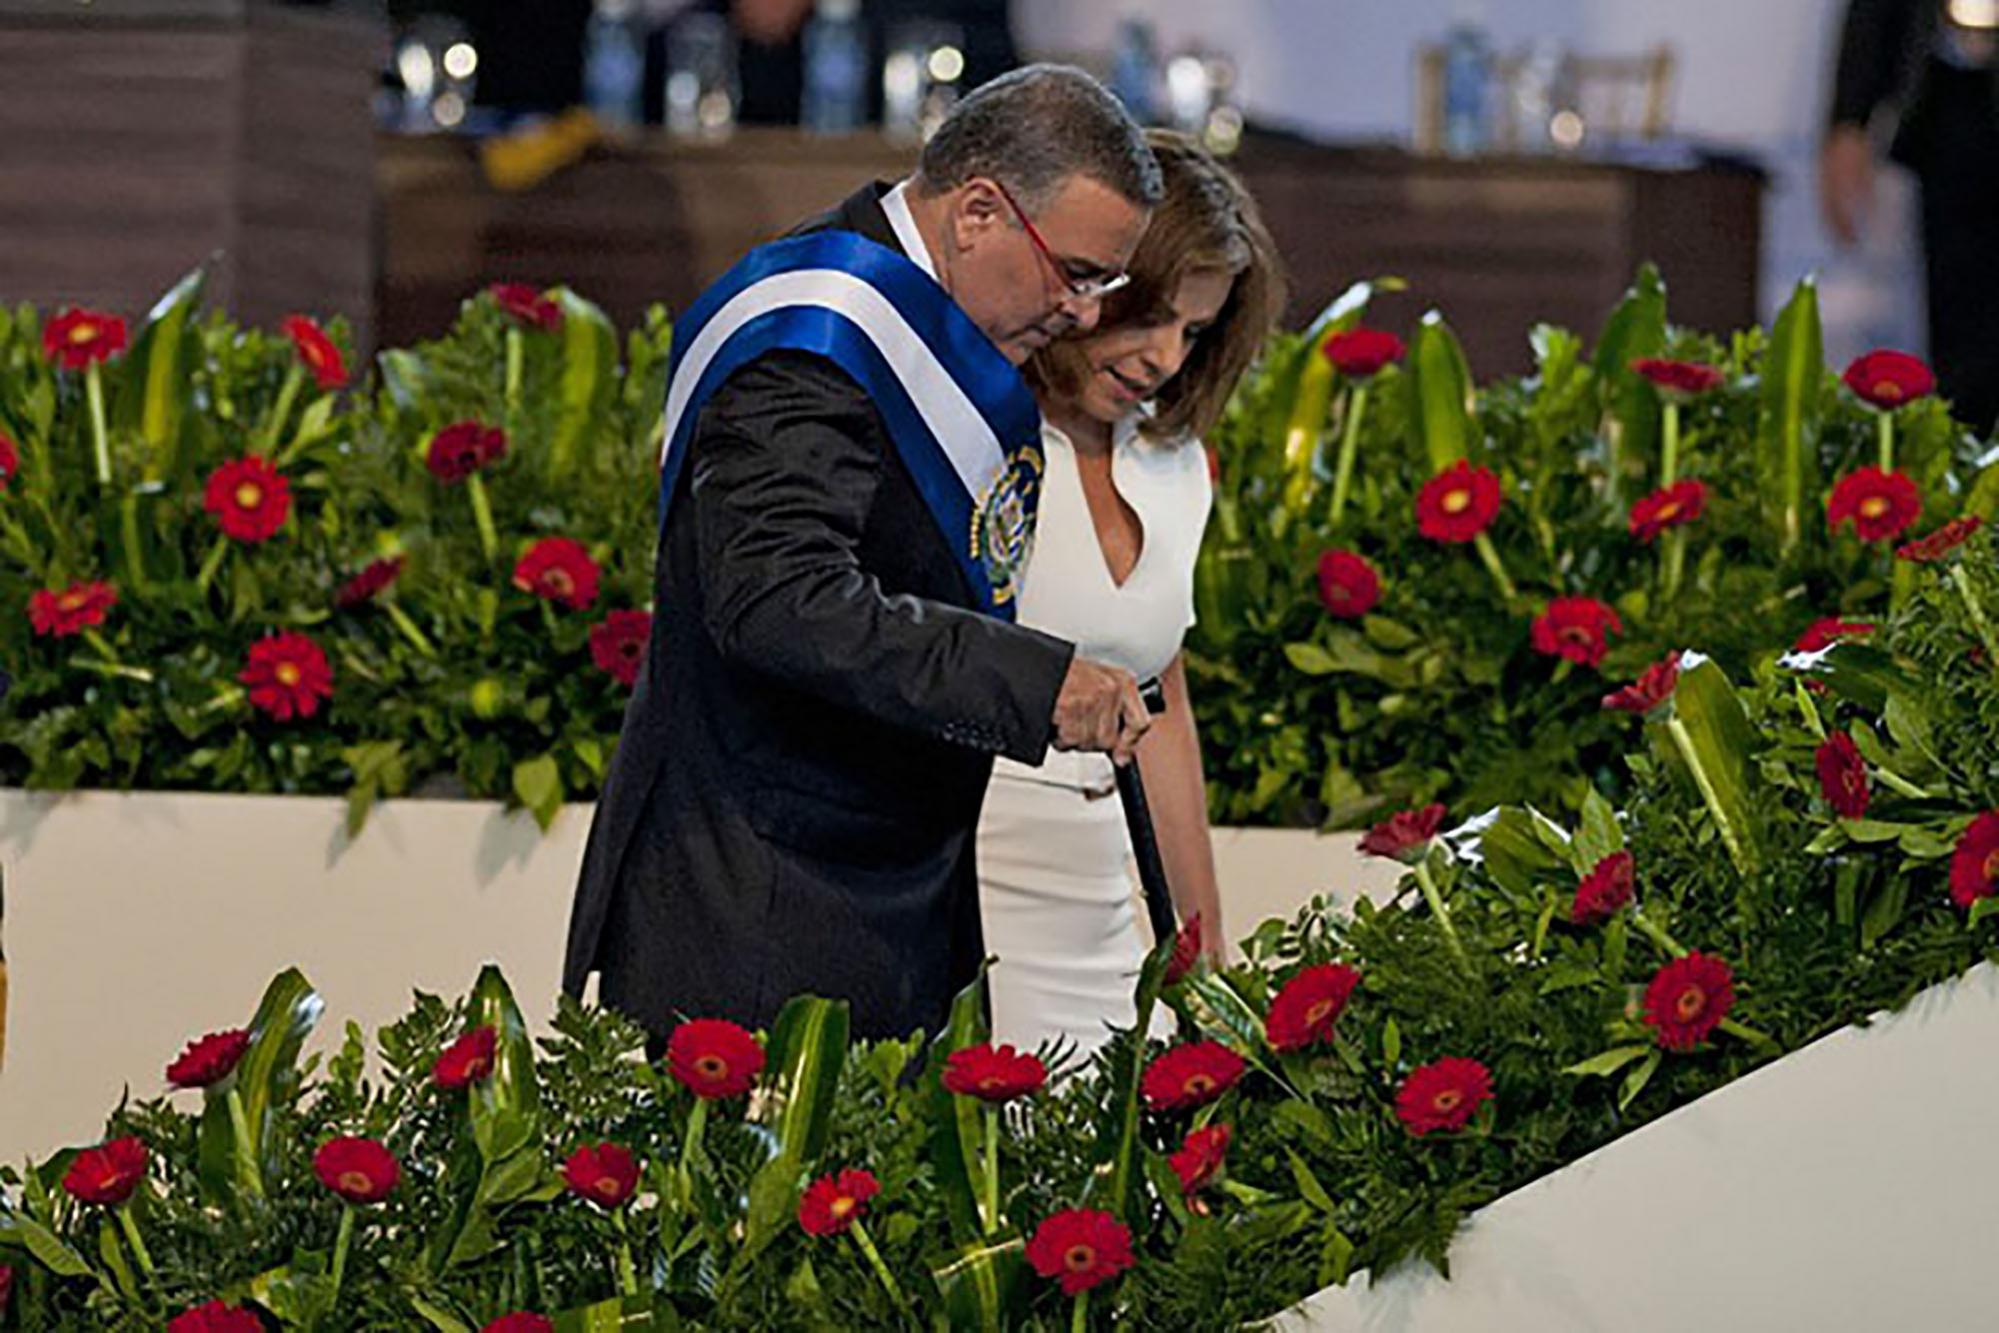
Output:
x,y
1035,127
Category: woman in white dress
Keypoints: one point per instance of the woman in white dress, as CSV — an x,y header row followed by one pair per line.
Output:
x,y
1124,501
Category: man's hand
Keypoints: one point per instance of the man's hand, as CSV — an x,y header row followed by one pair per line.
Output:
x,y
1846,181
1099,708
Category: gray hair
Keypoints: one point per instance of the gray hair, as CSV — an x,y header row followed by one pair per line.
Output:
x,y
1035,127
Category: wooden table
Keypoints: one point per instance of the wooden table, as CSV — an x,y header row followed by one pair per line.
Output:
x,y
1498,245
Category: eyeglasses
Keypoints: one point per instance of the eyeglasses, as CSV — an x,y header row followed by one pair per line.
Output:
x,y
1094,287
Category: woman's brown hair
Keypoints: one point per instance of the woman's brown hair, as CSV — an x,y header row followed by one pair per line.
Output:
x,y
1207,221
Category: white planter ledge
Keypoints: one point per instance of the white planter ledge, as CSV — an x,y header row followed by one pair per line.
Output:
x,y
1849,1186
134,922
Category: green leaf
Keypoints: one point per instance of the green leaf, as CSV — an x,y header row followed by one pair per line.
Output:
x,y
1610,1061
1874,830
808,1049
48,1249
589,372
1600,834
1335,1258
1308,1185
437,1316
1636,328
1391,1045
265,1077
979,1280
1862,673
956,1132
1884,911
1711,742
1310,658
1440,394
1308,1119
538,784
158,387
1516,850
1981,909
618,1314
1635,1081
1793,375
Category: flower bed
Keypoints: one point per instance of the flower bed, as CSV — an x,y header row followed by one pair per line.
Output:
x,y
1337,1103
1417,590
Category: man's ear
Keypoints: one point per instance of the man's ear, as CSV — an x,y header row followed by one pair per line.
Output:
x,y
978,211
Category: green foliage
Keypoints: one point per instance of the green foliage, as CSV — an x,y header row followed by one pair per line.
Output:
x,y
1439,694
452,681
1833,921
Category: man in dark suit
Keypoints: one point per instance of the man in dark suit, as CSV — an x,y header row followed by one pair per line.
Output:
x,y
1931,68
793,801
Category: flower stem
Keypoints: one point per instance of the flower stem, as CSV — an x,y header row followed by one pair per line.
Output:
x,y
130,1226
212,564
992,1170
628,1279
1428,884
248,1173
697,1120
267,439
1962,578
1081,1319
1349,448
400,619
1683,740
1490,555
93,387
514,351
1656,933
1884,425
482,514
340,1246
866,1244
1669,451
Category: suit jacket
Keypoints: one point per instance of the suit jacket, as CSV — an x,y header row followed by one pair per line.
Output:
x,y
1886,52
793,800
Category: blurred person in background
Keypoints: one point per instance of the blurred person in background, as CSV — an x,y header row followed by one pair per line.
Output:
x,y
1924,76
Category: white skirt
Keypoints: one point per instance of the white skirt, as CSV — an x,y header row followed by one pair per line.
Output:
x,y
1059,903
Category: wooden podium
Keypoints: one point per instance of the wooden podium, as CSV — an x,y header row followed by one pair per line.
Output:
x,y
143,136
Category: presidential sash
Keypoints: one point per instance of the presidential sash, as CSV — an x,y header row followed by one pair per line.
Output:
x,y
962,419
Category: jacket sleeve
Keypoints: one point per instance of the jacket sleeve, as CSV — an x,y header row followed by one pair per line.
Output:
x,y
1872,50
783,473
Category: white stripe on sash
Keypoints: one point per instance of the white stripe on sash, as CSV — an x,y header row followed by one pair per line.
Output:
x,y
960,430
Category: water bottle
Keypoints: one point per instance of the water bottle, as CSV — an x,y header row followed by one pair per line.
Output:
x,y
1467,81
613,65
836,69
1135,70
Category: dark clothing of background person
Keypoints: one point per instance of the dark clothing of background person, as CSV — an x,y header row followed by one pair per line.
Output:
x,y
773,74
1947,132
794,797
530,53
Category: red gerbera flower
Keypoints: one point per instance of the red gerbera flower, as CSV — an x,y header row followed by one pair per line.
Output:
x,y
1928,550
1605,889
1310,1003
713,1058
1678,379
1404,835
79,338
524,305
210,1059
374,578
1458,503
467,1060
1442,1095
1361,353
1824,632
1669,507
618,644
993,1075
288,675
6,1285
249,498
1843,776
215,1317
557,569
1654,686
75,609
459,450
606,1175
1189,1076
1688,998
1186,951
1084,1247
1974,866
10,460
1889,379
1348,585
107,1174
358,1170
520,1321
317,352
831,1204
1577,629
1881,505
1200,1157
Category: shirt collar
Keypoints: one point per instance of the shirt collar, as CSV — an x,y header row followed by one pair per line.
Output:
x,y
896,205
